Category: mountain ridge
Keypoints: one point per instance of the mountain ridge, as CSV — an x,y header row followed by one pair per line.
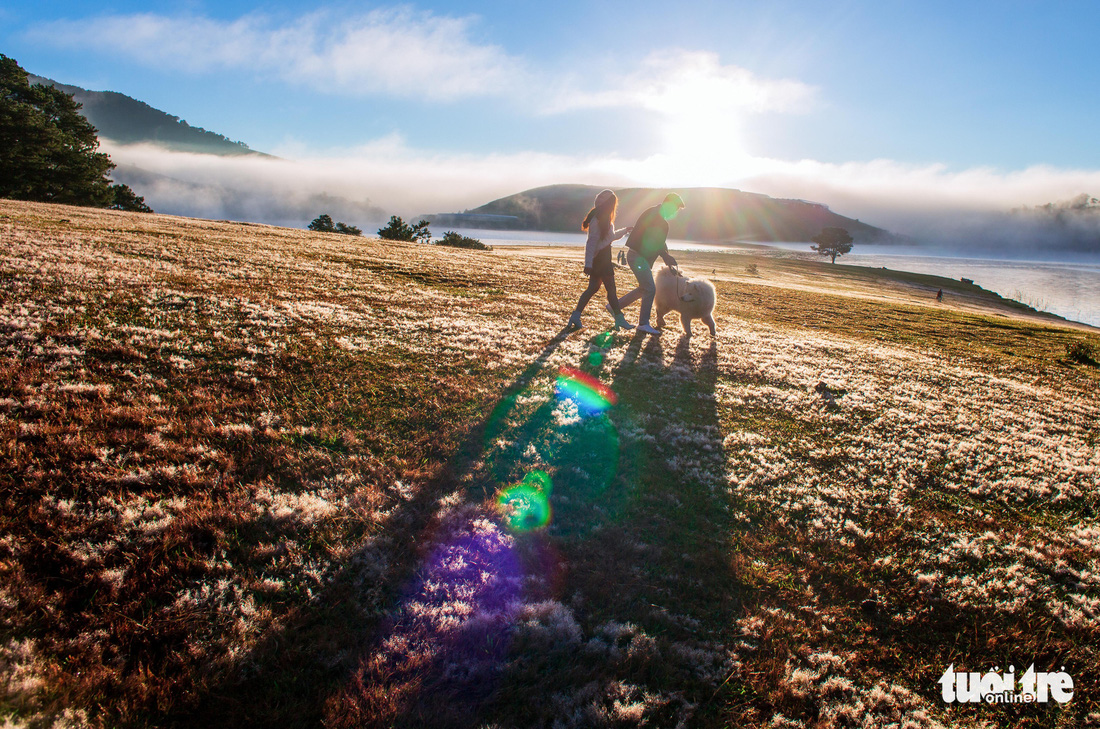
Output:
x,y
710,213
127,120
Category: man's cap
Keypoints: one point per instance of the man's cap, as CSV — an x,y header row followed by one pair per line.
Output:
x,y
674,199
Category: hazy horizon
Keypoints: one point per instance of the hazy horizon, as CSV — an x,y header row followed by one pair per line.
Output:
x,y
365,190
931,122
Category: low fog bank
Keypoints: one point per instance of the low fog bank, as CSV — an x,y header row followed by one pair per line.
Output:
x,y
362,188
1032,233
1028,234
976,211
273,204
1038,213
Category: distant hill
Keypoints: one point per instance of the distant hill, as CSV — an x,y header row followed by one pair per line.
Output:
x,y
129,121
711,214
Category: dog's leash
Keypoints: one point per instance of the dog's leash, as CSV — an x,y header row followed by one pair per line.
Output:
x,y
681,283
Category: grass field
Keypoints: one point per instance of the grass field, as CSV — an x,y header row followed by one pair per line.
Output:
x,y
266,477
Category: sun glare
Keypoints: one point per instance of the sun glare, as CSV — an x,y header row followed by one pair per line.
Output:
x,y
703,106
703,145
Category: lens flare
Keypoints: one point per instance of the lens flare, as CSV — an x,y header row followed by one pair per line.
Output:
x,y
591,396
540,480
525,507
603,340
598,347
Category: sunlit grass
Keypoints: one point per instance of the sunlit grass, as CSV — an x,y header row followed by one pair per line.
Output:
x,y
269,477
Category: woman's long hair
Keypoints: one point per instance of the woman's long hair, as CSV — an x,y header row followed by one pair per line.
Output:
x,y
604,213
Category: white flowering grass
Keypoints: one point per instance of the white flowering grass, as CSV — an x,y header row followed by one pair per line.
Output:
x,y
244,458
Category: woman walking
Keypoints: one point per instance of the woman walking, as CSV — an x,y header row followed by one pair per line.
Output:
x,y
600,225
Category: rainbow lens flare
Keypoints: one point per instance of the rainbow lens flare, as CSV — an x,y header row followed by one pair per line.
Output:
x,y
525,507
591,396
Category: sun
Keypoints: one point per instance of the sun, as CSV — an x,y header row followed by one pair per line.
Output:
x,y
702,146
702,126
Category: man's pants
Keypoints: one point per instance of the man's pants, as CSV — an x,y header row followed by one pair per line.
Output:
x,y
646,289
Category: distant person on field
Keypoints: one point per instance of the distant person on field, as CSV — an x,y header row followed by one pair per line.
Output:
x,y
600,224
648,240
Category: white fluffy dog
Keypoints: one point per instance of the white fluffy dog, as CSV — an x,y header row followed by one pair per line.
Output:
x,y
693,297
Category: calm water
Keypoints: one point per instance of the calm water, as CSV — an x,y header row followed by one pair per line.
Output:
x,y
1068,289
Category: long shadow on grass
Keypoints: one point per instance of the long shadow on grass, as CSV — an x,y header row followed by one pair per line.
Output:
x,y
287,678
603,593
627,593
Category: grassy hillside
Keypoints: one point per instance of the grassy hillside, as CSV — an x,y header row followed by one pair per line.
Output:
x,y
266,477
129,121
711,213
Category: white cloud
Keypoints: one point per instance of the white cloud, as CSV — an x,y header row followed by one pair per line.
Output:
x,y
403,52
398,51
364,185
680,82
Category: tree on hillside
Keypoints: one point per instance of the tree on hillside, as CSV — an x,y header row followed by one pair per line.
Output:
x,y
348,229
398,229
323,224
123,198
48,151
454,239
832,242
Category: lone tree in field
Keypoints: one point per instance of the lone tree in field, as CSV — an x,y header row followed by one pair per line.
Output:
x,y
49,152
323,224
398,229
832,242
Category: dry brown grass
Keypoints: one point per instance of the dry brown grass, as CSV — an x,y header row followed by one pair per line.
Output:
x,y
251,475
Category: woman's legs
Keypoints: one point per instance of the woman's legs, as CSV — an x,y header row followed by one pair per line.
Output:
x,y
613,302
586,296
594,283
612,297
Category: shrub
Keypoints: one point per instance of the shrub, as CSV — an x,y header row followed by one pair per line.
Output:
x,y
1082,352
751,269
398,229
454,240
348,229
323,224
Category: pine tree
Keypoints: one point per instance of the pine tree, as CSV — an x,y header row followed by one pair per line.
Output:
x,y
398,229
323,224
48,151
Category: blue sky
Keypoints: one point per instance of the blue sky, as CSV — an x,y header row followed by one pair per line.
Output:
x,y
867,106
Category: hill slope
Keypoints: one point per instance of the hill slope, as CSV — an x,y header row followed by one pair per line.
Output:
x,y
129,121
267,477
711,214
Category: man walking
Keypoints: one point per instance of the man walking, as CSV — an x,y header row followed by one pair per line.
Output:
x,y
647,241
